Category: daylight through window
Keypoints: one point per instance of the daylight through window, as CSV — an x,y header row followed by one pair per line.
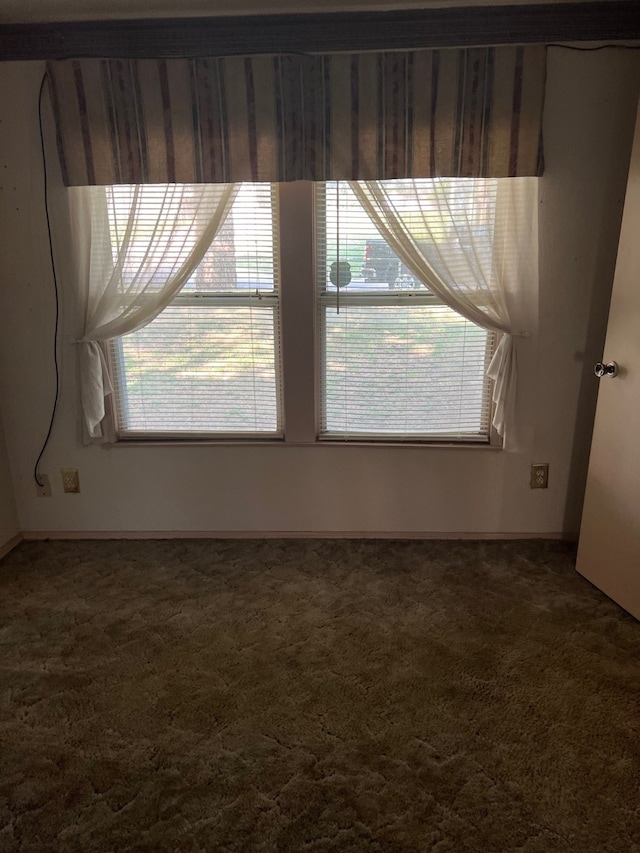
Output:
x,y
393,362
209,364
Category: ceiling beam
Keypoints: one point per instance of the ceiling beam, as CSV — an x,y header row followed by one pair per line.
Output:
x,y
611,20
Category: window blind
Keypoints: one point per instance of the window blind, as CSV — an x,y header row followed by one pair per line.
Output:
x,y
395,362
209,364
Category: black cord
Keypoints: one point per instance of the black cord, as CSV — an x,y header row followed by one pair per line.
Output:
x,y
597,47
55,284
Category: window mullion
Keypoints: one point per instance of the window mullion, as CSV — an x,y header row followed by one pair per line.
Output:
x,y
297,307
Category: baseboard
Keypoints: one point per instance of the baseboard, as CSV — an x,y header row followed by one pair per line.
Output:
x,y
279,534
10,545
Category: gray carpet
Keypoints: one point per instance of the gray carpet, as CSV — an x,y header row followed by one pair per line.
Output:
x,y
314,696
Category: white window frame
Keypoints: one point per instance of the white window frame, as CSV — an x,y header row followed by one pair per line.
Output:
x,y
223,300
325,299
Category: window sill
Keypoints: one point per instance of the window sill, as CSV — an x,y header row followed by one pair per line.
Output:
x,y
423,445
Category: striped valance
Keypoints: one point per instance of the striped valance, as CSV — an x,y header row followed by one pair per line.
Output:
x,y
454,112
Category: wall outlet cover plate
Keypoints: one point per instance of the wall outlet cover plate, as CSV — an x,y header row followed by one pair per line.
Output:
x,y
44,490
540,475
70,480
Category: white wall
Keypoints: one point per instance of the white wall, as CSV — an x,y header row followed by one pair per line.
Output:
x,y
9,527
589,120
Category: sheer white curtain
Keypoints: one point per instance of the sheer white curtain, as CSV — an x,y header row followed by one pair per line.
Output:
x,y
474,244
136,247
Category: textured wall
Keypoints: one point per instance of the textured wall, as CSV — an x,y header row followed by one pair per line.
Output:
x,y
591,103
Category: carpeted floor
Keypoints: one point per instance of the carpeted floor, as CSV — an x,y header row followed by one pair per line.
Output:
x,y
314,696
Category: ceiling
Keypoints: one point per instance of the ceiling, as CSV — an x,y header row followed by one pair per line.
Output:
x,y
32,11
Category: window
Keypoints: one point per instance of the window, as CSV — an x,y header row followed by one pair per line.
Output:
x,y
395,362
392,362
209,364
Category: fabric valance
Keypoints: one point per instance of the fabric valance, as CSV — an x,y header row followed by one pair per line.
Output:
x,y
473,112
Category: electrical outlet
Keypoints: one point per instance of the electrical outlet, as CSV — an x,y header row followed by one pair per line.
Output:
x,y
540,475
44,490
70,480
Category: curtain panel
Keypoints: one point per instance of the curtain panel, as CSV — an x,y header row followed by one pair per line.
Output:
x,y
472,112
131,264
488,273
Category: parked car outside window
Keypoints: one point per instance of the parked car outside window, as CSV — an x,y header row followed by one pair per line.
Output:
x,y
381,265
